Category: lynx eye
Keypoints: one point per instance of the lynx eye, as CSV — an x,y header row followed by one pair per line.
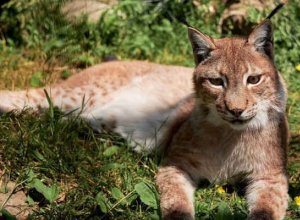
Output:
x,y
216,81
253,80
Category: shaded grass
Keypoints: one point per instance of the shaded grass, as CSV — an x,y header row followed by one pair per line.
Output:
x,y
65,152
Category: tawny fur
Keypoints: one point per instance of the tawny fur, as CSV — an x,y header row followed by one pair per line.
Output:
x,y
214,122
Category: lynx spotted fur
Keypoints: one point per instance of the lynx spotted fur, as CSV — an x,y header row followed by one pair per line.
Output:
x,y
224,120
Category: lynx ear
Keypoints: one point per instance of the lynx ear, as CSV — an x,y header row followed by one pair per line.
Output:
x,y
262,38
201,43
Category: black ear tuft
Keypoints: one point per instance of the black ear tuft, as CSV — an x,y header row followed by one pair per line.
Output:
x,y
262,38
201,43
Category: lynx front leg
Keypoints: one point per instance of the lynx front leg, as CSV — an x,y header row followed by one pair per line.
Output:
x,y
268,197
176,193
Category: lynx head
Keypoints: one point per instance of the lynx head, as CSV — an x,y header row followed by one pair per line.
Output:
x,y
236,80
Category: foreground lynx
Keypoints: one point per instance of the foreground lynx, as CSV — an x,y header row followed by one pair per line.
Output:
x,y
223,121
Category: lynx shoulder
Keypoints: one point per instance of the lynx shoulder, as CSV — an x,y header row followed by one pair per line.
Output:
x,y
223,120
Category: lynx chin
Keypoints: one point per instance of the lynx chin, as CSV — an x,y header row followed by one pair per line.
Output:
x,y
223,120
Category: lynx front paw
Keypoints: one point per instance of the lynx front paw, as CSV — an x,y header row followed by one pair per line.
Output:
x,y
267,197
261,215
176,193
176,215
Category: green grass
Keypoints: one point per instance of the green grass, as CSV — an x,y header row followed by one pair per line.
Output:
x,y
65,168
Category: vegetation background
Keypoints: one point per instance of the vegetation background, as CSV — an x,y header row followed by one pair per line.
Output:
x,y
66,171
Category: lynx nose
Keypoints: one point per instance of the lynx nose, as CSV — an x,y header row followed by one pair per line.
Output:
x,y
236,112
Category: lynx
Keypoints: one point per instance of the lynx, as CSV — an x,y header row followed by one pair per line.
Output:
x,y
223,120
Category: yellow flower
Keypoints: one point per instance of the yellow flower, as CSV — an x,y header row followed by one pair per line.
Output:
x,y
297,200
220,189
298,67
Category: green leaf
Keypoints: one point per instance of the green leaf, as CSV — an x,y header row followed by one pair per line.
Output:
x,y
154,216
102,202
65,74
85,60
30,201
50,193
36,79
53,44
6,214
111,151
51,107
4,189
223,212
132,198
117,195
31,175
147,194
39,156
111,166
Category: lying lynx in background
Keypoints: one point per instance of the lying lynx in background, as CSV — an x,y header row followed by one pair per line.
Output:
x,y
223,121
